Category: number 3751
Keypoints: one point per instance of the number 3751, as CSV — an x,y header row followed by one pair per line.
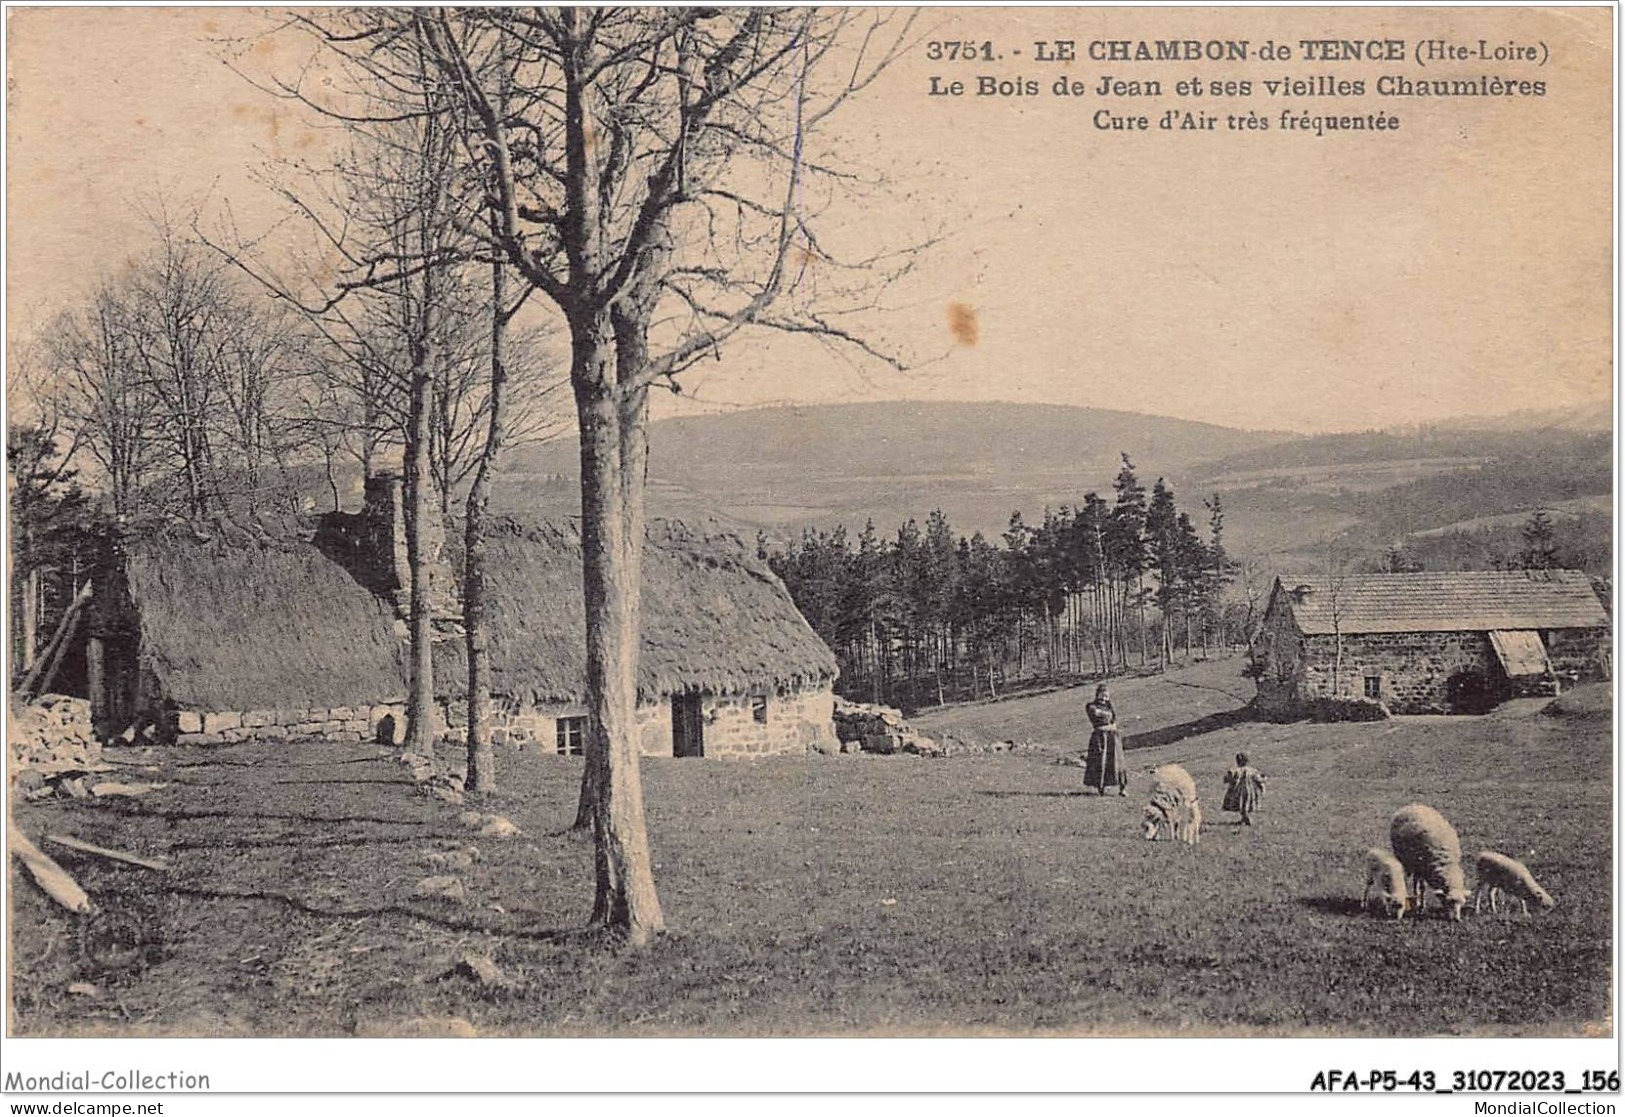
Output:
x,y
944,51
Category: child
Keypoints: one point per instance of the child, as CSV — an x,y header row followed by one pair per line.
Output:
x,y
1243,788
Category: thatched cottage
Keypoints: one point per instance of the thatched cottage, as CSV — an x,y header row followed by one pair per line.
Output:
x,y
1431,642
229,635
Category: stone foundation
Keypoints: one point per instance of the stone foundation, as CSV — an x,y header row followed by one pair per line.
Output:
x,y
385,724
793,723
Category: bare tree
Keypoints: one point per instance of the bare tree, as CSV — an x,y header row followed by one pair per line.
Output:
x,y
1337,562
255,410
651,173
104,395
652,179
182,316
43,497
387,222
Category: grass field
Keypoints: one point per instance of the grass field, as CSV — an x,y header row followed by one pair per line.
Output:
x,y
852,894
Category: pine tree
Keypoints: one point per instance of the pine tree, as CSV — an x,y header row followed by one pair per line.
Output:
x,y
940,591
1539,543
1191,557
1162,539
1128,549
1220,571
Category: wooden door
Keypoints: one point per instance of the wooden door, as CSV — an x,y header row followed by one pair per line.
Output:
x,y
687,726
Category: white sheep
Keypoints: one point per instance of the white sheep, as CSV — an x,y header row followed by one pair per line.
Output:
x,y
1172,785
1498,873
1183,823
1384,873
1173,808
1430,851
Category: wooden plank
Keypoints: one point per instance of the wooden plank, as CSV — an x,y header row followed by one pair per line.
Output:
x,y
45,667
102,851
50,876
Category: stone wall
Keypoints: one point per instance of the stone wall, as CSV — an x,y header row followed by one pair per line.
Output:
x,y
1277,664
385,724
1580,653
383,547
795,722
1413,669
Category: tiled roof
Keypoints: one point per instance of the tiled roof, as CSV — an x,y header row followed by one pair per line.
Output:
x,y
1443,601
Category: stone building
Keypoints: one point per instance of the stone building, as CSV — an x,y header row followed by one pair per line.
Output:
x,y
230,634
1435,642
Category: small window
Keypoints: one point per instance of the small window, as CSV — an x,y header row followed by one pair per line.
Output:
x,y
758,709
1373,686
572,736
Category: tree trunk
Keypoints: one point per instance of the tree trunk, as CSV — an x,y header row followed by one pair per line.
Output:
x,y
1139,608
96,681
625,901
481,776
30,636
873,641
419,482
632,414
332,479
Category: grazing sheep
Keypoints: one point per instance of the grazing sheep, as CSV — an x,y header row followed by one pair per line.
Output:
x,y
1499,873
1384,873
1172,785
1430,851
1153,821
1183,822
1173,807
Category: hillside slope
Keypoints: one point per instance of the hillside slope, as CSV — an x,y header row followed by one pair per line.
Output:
x,y
788,467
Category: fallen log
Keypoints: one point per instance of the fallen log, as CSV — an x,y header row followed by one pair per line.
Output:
x,y
50,876
101,851
111,787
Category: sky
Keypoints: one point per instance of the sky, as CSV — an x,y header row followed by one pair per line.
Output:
x,y
1459,267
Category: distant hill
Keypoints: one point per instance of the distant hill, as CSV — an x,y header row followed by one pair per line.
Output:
x,y
783,468
1455,497
1590,417
1459,493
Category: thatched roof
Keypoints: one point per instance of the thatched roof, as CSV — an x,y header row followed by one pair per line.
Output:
x,y
715,618
251,623
232,622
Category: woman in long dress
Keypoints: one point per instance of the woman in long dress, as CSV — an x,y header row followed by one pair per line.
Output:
x,y
1103,766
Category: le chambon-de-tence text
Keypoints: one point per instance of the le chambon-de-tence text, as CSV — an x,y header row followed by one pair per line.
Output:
x,y
1308,85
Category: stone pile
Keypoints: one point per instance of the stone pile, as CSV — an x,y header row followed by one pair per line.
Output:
x,y
880,729
54,734
53,748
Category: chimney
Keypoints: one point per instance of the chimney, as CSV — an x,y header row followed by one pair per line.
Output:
x,y
383,517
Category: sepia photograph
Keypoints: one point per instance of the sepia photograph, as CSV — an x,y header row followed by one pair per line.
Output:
x,y
794,523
